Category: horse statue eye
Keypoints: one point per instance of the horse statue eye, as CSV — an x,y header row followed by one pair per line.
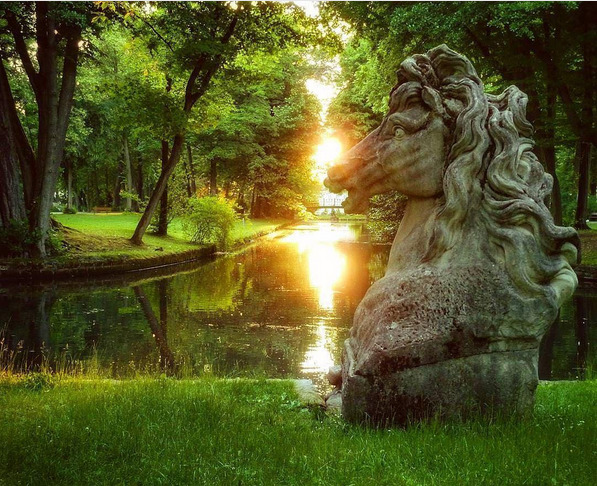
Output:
x,y
399,132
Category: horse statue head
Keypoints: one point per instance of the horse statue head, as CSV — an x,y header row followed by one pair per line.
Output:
x,y
476,217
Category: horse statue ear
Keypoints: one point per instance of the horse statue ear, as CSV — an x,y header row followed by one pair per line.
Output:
x,y
433,100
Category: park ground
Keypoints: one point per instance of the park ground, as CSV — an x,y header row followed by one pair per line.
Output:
x,y
106,237
209,431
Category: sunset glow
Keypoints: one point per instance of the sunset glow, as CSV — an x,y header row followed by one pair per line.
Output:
x,y
327,152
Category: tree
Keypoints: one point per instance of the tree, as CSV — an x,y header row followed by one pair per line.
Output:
x,y
196,41
546,48
54,32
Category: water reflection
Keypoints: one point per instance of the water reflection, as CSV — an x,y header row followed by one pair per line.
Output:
x,y
281,308
326,263
319,357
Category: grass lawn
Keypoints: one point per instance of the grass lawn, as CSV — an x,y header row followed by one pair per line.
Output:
x,y
106,235
588,240
229,432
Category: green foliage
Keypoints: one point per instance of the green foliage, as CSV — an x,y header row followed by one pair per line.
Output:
x,y
38,381
68,210
209,220
384,216
16,240
264,127
212,431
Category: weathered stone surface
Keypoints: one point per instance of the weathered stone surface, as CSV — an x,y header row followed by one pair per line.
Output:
x,y
333,402
334,376
477,270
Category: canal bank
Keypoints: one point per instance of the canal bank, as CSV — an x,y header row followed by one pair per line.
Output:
x,y
98,246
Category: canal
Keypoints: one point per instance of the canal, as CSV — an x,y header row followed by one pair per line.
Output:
x,y
281,307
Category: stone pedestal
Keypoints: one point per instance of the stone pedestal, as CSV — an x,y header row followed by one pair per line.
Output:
x,y
494,384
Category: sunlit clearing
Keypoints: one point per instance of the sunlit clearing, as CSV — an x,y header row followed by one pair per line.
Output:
x,y
311,9
318,357
325,92
327,152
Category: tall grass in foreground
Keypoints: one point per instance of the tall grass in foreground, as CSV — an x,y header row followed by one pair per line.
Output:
x,y
210,431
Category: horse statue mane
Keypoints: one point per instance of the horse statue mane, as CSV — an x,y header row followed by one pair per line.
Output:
x,y
478,269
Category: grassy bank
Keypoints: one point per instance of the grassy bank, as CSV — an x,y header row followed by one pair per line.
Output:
x,y
588,242
255,432
105,236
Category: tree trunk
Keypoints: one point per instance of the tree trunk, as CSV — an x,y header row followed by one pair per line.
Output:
x,y
191,169
139,183
40,172
117,186
128,172
187,178
69,186
204,69
583,154
163,216
156,195
213,177
588,13
549,153
12,202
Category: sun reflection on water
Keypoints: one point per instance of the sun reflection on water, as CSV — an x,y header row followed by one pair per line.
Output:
x,y
318,358
325,262
326,266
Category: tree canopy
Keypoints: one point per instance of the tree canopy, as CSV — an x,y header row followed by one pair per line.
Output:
x,y
140,106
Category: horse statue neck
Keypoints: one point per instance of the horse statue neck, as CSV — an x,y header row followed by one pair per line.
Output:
x,y
410,242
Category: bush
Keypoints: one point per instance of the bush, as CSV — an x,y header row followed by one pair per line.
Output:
x,y
38,381
16,240
385,213
209,220
68,210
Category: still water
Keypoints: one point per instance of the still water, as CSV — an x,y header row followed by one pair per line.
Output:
x,y
280,308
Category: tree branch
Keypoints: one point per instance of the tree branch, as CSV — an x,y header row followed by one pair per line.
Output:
x,y
160,36
192,97
21,48
23,147
69,74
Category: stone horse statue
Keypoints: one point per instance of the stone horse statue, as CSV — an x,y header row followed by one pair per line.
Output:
x,y
477,270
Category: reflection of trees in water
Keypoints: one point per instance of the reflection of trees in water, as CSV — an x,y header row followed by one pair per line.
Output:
x,y
25,328
159,329
546,350
564,351
582,335
254,310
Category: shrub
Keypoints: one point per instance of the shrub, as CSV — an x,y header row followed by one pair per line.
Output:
x,y
68,210
38,381
209,220
385,213
16,239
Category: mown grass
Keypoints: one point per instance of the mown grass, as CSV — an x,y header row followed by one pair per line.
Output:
x,y
106,236
588,242
208,431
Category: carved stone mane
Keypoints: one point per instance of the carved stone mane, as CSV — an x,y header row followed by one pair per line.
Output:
x,y
477,270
